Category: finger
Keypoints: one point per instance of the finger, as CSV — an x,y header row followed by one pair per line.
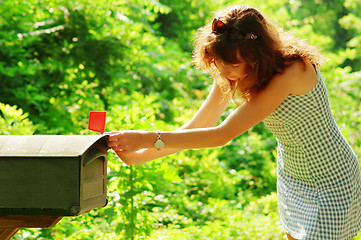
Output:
x,y
121,155
114,143
118,148
115,136
111,132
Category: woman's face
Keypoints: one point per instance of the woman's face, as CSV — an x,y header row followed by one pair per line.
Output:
x,y
232,72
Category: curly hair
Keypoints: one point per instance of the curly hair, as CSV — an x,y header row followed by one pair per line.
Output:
x,y
268,52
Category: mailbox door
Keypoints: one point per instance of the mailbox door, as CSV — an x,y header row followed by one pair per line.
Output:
x,y
93,189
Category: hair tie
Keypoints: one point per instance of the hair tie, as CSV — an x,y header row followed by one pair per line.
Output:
x,y
218,27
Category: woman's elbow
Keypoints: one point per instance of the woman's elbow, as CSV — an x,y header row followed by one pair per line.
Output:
x,y
224,136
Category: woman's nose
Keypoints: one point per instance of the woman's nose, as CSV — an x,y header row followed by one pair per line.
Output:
x,y
225,73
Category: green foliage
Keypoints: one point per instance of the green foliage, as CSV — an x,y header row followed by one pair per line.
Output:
x,y
259,220
59,59
351,22
14,121
68,58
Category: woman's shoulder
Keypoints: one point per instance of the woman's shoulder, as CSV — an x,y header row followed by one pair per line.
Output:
x,y
300,77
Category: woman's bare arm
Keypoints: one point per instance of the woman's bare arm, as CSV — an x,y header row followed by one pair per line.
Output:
x,y
243,118
207,116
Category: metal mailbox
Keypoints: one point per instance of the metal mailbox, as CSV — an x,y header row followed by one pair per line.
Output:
x,y
52,175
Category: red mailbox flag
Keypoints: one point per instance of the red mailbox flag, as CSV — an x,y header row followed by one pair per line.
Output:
x,y
97,121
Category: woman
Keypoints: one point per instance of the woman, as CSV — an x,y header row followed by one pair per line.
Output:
x,y
276,79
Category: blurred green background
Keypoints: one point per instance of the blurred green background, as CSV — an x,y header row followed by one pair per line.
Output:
x,y
59,59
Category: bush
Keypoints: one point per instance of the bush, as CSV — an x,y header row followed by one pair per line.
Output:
x,y
14,121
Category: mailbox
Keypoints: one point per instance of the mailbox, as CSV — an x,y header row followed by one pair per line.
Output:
x,y
52,175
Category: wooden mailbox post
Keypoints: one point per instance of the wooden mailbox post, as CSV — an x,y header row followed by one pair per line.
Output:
x,y
46,177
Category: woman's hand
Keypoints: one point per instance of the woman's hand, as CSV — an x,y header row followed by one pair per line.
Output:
x,y
127,141
144,154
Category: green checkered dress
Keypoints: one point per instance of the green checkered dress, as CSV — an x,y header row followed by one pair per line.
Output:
x,y
318,174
